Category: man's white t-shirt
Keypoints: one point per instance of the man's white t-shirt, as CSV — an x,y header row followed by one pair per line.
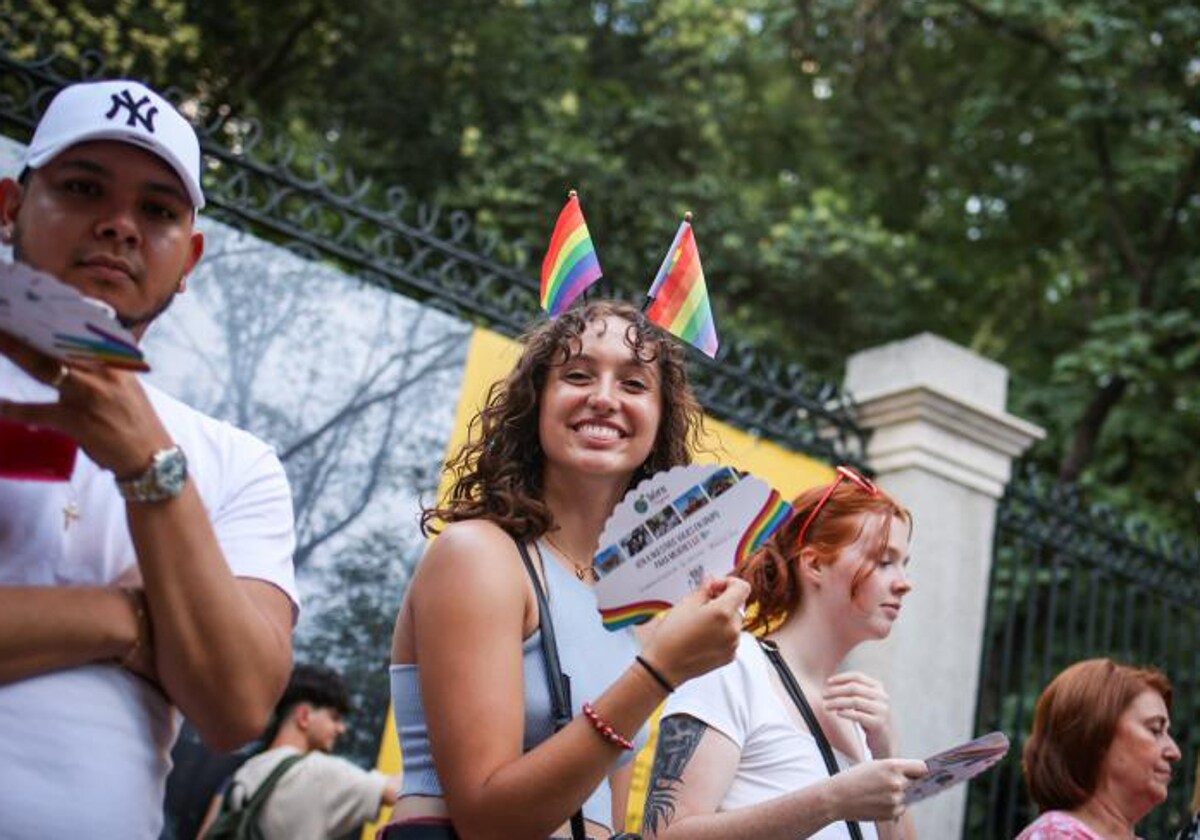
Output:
x,y
88,749
740,701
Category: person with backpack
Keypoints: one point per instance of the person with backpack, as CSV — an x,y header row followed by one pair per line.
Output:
x,y
294,788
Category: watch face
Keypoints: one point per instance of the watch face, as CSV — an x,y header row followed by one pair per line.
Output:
x,y
171,472
165,478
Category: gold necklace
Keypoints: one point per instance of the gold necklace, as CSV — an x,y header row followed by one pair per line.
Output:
x,y
583,571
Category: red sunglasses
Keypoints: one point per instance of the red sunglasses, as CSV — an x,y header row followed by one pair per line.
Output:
x,y
843,474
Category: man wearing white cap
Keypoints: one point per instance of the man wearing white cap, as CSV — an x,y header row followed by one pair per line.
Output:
x,y
160,575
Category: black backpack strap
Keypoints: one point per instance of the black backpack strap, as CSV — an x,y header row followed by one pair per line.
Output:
x,y
810,719
560,683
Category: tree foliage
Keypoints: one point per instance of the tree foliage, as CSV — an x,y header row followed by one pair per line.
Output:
x,y
1018,176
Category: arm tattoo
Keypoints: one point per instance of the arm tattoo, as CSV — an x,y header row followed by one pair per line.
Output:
x,y
678,737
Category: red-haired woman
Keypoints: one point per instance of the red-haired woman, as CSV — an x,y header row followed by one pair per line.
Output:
x,y
737,757
597,400
1100,756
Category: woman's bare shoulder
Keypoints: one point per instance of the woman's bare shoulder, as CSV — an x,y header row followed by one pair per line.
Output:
x,y
472,555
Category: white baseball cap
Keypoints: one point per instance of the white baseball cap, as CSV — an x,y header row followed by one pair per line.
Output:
x,y
119,110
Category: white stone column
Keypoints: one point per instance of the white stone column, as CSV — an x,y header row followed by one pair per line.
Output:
x,y
942,443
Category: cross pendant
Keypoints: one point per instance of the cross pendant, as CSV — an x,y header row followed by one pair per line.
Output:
x,y
70,514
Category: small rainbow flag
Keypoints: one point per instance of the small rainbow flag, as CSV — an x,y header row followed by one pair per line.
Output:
x,y
678,298
571,264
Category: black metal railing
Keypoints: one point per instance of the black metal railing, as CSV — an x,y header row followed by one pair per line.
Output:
x,y
1072,581
254,181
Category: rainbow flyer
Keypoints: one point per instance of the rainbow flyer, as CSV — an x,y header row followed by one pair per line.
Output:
x,y
53,317
675,529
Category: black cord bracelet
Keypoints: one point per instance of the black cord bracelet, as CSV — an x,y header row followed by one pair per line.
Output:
x,y
658,677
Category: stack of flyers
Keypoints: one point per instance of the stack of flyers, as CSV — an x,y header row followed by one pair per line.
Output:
x,y
48,314
958,764
675,529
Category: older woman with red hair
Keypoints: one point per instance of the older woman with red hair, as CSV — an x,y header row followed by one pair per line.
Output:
x,y
1101,754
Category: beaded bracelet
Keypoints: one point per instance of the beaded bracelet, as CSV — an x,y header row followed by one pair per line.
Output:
x,y
658,677
605,729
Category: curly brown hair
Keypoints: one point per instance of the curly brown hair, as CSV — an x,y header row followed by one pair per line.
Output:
x,y
773,571
498,472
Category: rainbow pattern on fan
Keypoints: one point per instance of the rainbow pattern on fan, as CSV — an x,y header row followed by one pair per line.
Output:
x,y
679,297
107,349
630,614
571,264
773,514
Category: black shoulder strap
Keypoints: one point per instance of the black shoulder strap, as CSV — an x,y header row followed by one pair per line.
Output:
x,y
560,683
810,718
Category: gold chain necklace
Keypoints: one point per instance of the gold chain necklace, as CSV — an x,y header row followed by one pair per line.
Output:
x,y
583,571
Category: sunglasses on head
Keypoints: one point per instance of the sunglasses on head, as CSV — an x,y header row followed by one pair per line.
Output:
x,y
843,474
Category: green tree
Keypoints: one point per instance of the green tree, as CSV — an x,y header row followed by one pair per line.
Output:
x,y
1044,157
1019,176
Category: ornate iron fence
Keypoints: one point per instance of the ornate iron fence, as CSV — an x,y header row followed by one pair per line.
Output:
x,y
1070,582
255,181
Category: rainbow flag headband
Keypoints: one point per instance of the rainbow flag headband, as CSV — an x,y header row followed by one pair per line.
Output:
x,y
678,298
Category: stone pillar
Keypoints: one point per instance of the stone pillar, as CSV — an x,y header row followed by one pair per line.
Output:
x,y
942,443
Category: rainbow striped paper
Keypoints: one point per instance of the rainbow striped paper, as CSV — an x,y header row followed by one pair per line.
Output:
x,y
631,614
47,314
775,512
106,348
571,264
678,297
673,530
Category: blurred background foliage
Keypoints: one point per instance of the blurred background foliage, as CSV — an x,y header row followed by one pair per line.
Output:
x,y
1020,176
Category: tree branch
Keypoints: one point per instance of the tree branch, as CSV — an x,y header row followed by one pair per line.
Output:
x,y
1028,34
1083,446
1126,249
1183,192
269,68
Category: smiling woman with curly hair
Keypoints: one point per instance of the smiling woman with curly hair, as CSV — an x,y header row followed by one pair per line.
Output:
x,y
598,400
499,473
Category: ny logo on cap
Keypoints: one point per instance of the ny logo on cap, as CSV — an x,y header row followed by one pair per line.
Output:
x,y
126,101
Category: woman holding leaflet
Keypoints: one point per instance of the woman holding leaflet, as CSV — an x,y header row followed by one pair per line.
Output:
x,y
597,401
738,757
